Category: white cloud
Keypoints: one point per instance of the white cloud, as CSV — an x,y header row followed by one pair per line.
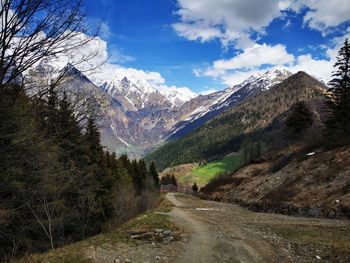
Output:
x,y
250,61
230,21
105,30
197,31
117,55
261,58
207,91
226,20
319,68
102,66
110,72
322,14
256,56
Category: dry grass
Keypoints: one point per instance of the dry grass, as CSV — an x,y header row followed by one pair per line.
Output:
x,y
75,253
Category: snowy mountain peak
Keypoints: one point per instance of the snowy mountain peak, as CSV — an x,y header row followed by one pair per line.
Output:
x,y
276,73
177,96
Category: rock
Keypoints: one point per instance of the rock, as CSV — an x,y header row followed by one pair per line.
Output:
x,y
158,230
318,257
167,232
168,239
157,257
127,261
337,201
315,211
143,236
176,234
117,260
135,231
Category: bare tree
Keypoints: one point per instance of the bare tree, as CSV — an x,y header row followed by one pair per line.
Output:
x,y
35,29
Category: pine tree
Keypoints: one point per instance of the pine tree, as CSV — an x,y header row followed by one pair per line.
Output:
x,y
299,119
51,112
137,177
154,174
173,180
92,140
338,104
195,187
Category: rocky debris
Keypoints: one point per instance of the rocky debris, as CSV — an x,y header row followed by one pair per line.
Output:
x,y
316,186
136,231
167,232
141,252
143,236
315,211
157,235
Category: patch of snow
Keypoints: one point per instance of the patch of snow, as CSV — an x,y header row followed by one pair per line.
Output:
x,y
123,141
177,95
208,209
310,154
133,106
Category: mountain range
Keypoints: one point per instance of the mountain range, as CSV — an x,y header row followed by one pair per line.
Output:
x,y
137,116
250,119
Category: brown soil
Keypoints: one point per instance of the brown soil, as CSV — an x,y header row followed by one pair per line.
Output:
x,y
316,185
228,233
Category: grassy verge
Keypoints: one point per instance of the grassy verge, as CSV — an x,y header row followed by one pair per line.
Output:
x,y
75,253
206,172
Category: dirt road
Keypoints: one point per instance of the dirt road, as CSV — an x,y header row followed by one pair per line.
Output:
x,y
208,232
226,233
216,234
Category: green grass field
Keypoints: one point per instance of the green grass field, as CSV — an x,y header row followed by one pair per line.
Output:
x,y
204,173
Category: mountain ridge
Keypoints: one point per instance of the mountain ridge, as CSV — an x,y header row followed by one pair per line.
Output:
x,y
225,132
140,116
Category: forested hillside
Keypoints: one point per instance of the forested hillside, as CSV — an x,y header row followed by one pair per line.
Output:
x,y
58,184
226,132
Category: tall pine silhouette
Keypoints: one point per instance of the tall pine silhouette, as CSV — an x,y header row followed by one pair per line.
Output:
x,y
338,104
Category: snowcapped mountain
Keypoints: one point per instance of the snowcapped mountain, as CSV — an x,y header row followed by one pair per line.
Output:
x,y
177,96
136,95
137,114
141,94
204,107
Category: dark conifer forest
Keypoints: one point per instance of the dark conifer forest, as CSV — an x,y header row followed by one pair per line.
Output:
x,y
58,184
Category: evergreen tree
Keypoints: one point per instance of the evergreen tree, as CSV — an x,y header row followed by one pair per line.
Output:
x,y
168,179
51,112
173,180
195,187
299,119
92,140
137,177
338,104
57,183
154,174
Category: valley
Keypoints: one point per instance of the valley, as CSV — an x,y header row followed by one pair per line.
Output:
x,y
135,117
177,131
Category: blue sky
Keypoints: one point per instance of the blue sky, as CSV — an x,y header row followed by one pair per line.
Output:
x,y
212,44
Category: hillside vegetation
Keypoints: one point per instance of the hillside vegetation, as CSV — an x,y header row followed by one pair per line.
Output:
x,y
315,184
203,173
226,132
58,185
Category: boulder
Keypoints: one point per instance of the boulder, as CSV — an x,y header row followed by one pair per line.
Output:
x,y
143,236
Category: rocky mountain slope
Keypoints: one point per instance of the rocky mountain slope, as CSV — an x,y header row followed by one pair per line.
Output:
x,y
136,116
313,184
199,110
225,133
